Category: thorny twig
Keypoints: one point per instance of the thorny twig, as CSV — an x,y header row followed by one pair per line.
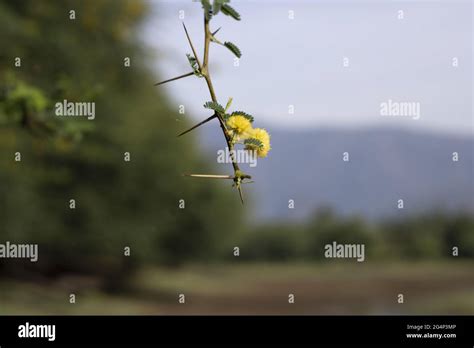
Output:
x,y
238,176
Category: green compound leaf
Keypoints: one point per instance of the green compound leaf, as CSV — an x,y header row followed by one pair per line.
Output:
x,y
244,114
214,106
230,11
218,5
229,103
233,48
253,143
194,65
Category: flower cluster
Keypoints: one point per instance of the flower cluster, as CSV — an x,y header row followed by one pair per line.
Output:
x,y
239,125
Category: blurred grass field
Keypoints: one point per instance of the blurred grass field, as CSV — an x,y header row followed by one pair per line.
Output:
x,y
336,288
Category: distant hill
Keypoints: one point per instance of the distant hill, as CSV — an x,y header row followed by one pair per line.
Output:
x,y
385,165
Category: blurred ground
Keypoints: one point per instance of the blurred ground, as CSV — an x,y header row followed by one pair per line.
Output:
x,y
336,288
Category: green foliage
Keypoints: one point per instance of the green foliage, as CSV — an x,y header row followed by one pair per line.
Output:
x,y
325,228
229,103
230,11
424,237
233,48
119,203
27,96
20,100
214,106
430,235
218,5
244,114
253,143
273,242
26,106
194,65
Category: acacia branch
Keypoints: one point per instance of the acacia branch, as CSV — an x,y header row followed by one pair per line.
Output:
x,y
204,71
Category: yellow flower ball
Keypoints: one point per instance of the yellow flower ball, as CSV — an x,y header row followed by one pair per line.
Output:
x,y
263,136
239,124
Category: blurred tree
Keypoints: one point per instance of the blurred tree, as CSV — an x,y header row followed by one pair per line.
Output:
x,y
415,237
424,237
118,204
273,242
326,227
459,232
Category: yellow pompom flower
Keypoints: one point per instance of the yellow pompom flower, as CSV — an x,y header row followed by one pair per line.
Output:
x,y
239,125
262,136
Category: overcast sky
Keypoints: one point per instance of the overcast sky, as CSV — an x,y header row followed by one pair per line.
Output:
x,y
300,61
